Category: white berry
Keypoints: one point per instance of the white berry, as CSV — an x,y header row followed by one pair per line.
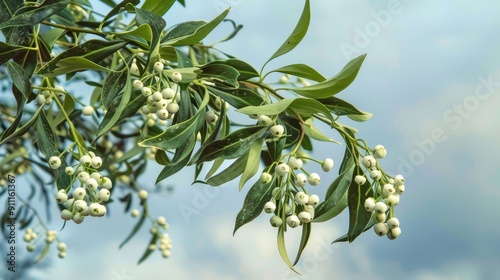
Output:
x,y
87,110
379,151
143,194
276,221
293,221
300,180
269,207
79,193
313,200
375,174
360,179
54,162
295,163
369,161
264,120
158,66
304,217
96,162
327,164
399,180
277,130
381,229
301,198
380,207
369,204
282,169
176,77
314,179
265,177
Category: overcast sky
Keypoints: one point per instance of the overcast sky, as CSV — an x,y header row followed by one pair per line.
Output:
x,y
431,79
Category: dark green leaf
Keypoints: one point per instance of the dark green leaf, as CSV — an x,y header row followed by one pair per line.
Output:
x,y
135,229
8,51
253,162
113,85
117,8
358,216
246,70
306,233
238,98
230,173
340,107
282,249
157,25
215,72
157,7
19,78
148,251
257,196
36,15
335,84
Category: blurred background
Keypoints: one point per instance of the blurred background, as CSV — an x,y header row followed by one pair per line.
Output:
x,y
432,81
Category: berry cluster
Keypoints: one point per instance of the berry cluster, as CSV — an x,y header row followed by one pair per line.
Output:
x,y
386,195
290,201
93,189
30,236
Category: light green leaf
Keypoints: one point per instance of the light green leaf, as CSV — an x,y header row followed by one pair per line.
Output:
x,y
300,70
304,106
312,131
217,164
297,35
148,251
157,7
282,249
140,35
341,107
306,233
230,173
253,162
335,84
73,64
238,98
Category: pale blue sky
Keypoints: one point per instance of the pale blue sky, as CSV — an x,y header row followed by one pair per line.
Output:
x,y
424,75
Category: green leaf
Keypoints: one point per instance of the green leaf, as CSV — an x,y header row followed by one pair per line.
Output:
x,y
340,107
117,8
246,70
230,173
217,164
312,131
282,249
216,72
8,51
183,29
253,162
47,142
176,135
335,84
188,36
36,15
232,146
304,106
306,233
336,198
148,251
43,253
157,25
358,216
135,229
113,84
19,78
238,98
12,133
300,70
297,34
170,170
140,35
157,7
344,237
68,106
257,196
52,35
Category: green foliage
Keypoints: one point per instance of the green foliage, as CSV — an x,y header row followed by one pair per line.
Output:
x,y
158,92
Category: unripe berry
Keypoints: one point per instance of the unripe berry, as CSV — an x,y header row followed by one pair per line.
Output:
x,y
277,130
283,79
143,194
104,194
30,247
173,108
106,183
309,209
40,99
135,213
168,93
387,190
265,177
27,237
313,200
61,255
375,174
83,176
210,117
380,217
157,96
78,218
301,198
293,221
146,91
369,161
300,180
393,223
380,207
295,163
369,204
287,209
379,151
269,207
138,85
80,205
176,77
61,247
61,197
394,233
96,162
399,180
360,179
163,114
304,217
158,66
145,110
282,169
69,203
314,179
327,164
134,70
87,110
400,189
264,120
79,193
97,176
54,162
66,215
381,229
69,170
85,160
392,200
276,221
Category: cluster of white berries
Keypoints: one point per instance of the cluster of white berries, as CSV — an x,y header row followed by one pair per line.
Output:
x,y
387,195
276,130
285,79
30,237
165,245
44,97
93,189
302,206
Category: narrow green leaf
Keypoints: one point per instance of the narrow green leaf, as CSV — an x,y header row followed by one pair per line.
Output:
x,y
246,70
12,132
230,173
358,216
36,15
19,78
199,34
300,70
8,51
68,106
253,162
170,170
344,238
304,106
157,7
136,228
306,233
52,35
148,251
312,131
341,107
113,85
282,250
221,73
74,64
257,196
238,98
297,34
157,24
217,164
140,35
232,146
117,8
43,253
335,84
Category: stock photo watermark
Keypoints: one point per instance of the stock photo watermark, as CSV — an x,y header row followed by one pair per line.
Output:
x,y
200,200
11,223
453,117
363,36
